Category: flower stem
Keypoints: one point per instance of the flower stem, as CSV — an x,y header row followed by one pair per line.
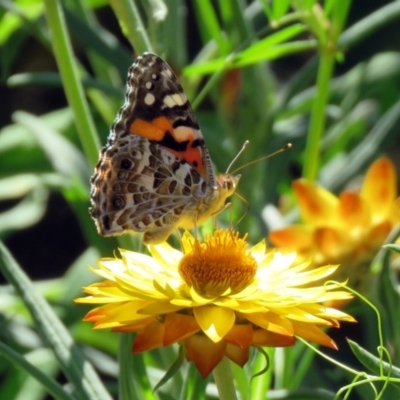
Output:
x,y
224,380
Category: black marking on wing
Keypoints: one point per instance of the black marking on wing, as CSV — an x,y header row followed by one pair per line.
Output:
x,y
188,121
169,141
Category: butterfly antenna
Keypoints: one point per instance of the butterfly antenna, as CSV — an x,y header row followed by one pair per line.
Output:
x,y
284,148
245,144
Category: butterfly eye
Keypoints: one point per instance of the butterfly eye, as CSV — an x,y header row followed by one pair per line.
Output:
x,y
126,163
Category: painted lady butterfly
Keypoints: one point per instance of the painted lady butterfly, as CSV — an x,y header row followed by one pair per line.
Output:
x,y
155,173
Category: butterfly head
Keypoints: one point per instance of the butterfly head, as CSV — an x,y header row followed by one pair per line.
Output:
x,y
226,183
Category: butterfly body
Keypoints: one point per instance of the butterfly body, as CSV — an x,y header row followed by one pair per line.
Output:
x,y
155,173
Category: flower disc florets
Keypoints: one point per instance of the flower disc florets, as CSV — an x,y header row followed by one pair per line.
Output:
x,y
222,263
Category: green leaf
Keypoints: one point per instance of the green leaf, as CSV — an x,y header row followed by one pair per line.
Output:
x,y
393,247
375,364
272,40
77,369
26,213
175,367
209,26
20,362
65,158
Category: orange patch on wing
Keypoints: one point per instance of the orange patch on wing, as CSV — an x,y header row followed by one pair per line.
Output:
x,y
154,130
194,157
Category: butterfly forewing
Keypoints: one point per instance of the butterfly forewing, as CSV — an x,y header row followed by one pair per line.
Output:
x,y
155,173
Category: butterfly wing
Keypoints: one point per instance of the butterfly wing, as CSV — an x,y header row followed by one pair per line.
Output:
x,y
155,172
157,109
141,187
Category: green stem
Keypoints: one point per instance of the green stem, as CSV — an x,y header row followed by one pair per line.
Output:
x,y
262,383
318,115
224,380
133,379
71,80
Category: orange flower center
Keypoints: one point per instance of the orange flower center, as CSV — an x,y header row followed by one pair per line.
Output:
x,y
220,264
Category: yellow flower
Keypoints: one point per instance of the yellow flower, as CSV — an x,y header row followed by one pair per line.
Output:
x,y
346,230
217,299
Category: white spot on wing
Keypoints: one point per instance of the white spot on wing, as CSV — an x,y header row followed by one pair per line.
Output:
x,y
182,133
166,73
149,85
182,171
149,99
177,99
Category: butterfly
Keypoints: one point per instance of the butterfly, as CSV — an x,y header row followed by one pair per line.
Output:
x,y
155,173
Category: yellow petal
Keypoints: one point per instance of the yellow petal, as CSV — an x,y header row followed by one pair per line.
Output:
x,y
379,187
271,322
133,327
166,256
293,238
378,234
332,243
187,242
354,211
313,333
115,314
158,307
215,322
317,205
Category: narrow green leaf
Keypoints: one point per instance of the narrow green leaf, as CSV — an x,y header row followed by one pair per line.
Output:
x,y
132,25
174,368
276,38
51,386
133,379
209,26
65,158
76,368
374,364
26,213
71,80
393,247
279,8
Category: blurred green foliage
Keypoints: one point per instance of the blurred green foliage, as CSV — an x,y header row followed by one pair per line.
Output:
x,y
324,76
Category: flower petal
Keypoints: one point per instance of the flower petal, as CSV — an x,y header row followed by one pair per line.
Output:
x,y
379,188
332,243
111,315
187,242
149,338
204,353
179,327
237,355
313,333
271,322
293,238
166,256
240,335
215,322
354,211
262,337
317,205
